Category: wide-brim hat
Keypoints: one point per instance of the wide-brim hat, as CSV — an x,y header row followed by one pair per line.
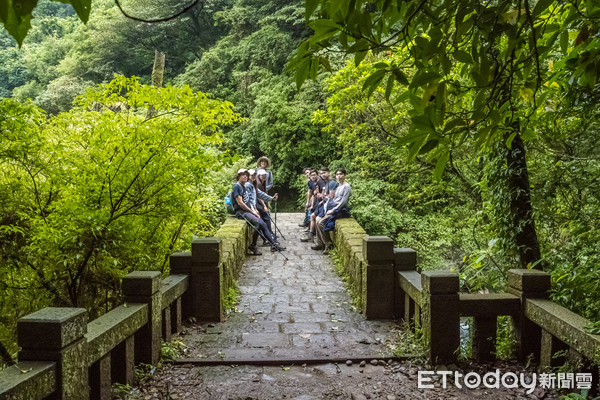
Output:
x,y
261,172
242,171
264,158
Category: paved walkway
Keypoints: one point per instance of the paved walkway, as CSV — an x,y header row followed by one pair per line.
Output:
x,y
290,310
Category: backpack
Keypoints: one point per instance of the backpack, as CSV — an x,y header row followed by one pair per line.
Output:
x,y
229,201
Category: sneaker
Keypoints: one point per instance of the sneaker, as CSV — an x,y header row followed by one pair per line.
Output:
x,y
302,224
254,250
317,247
306,238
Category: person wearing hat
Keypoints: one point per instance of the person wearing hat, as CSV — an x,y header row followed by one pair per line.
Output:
x,y
244,211
265,163
256,200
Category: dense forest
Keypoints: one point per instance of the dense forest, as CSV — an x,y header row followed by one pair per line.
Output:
x,y
469,131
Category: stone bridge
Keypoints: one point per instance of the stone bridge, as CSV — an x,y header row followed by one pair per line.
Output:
x,y
298,331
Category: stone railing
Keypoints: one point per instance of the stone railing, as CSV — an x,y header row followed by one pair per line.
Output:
x,y
431,300
214,265
63,356
369,264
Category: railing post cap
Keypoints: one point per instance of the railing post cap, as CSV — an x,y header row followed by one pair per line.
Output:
x,y
440,282
529,280
141,283
52,328
405,258
207,249
378,248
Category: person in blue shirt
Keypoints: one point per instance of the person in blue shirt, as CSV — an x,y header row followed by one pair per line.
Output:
x,y
248,212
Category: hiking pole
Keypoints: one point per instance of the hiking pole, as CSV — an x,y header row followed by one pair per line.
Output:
x,y
276,227
276,217
264,238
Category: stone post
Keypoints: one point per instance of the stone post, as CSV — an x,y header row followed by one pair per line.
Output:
x,y
123,362
404,260
484,338
528,284
57,334
203,297
181,264
176,315
441,315
100,379
144,287
166,324
378,277
206,279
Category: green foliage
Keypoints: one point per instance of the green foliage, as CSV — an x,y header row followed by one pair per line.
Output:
x,y
89,195
232,299
172,350
506,341
16,15
410,342
584,395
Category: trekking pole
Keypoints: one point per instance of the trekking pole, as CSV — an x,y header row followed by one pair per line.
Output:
x,y
276,227
276,217
264,238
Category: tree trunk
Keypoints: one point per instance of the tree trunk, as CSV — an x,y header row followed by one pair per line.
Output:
x,y
520,204
158,72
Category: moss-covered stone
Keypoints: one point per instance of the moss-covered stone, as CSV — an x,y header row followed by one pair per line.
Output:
x,y
109,330
39,382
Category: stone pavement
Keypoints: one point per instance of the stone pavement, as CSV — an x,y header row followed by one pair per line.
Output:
x,y
290,310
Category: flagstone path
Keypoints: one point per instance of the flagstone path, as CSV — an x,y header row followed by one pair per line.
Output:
x,y
291,309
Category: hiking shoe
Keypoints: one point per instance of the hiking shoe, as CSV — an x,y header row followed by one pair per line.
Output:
x,y
254,250
265,243
306,238
326,250
317,247
277,247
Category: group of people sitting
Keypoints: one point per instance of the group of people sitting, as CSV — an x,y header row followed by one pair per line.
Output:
x,y
326,201
251,203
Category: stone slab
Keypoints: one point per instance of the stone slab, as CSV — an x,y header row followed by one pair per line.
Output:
x,y
52,328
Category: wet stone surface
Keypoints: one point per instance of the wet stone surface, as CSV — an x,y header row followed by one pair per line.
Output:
x,y
294,310
284,304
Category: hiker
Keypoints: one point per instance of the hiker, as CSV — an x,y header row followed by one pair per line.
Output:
x,y
306,221
250,214
332,210
315,187
265,163
326,191
257,198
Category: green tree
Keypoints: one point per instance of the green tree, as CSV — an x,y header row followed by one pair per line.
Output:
x,y
102,190
476,72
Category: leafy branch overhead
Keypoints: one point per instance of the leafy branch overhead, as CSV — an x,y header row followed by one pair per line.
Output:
x,y
16,15
470,70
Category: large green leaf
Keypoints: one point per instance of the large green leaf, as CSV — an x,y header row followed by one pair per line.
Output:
x,y
310,7
373,81
440,165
